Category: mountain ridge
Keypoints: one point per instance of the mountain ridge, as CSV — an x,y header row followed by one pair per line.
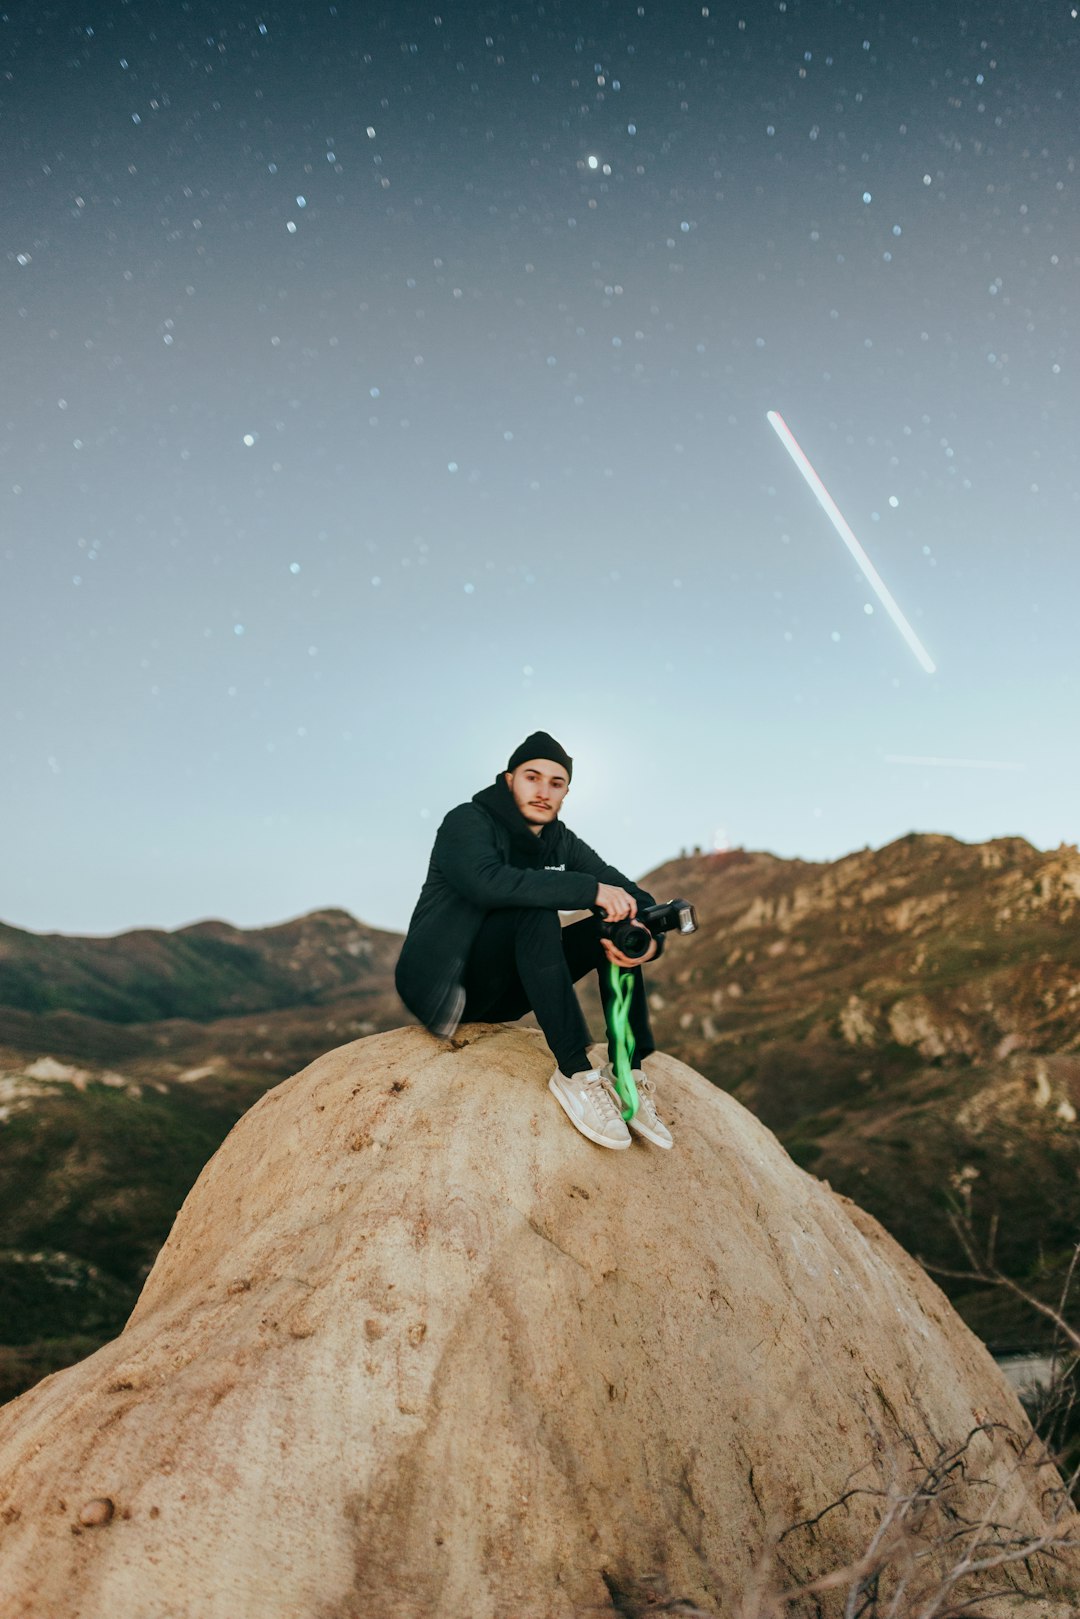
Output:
x,y
202,970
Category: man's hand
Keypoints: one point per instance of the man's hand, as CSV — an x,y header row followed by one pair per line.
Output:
x,y
615,903
628,961
618,906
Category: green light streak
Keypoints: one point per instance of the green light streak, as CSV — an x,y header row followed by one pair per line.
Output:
x,y
622,987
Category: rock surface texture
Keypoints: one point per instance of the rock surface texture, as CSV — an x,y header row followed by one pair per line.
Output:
x,y
415,1348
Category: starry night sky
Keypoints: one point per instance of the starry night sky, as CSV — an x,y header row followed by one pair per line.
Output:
x,y
381,384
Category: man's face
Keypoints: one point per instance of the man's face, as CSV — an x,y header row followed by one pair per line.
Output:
x,y
539,787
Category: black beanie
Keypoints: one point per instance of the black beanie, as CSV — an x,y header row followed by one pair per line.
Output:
x,y
541,746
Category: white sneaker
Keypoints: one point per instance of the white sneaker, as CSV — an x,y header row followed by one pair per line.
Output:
x,y
646,1121
590,1103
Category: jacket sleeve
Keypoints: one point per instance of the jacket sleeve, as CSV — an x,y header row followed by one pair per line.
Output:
x,y
585,859
469,858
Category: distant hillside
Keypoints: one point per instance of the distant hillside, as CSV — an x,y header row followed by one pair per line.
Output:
x,y
124,1062
927,946
207,970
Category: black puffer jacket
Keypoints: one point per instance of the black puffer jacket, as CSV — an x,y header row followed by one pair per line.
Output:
x,y
486,857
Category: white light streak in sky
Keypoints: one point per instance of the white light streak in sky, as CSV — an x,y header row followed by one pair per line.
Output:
x,y
956,764
836,518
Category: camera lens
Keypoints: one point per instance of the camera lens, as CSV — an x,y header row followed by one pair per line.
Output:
x,y
631,939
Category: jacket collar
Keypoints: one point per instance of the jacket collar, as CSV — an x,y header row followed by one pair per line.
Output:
x,y
527,848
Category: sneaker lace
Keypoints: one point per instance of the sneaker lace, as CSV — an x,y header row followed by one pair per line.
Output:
x,y
605,1096
646,1098
644,1087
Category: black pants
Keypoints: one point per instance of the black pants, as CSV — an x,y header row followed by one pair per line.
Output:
x,y
522,960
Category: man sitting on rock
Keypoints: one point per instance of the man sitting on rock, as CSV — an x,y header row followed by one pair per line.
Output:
x,y
485,943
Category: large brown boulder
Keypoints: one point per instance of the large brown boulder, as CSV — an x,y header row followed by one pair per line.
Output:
x,y
414,1347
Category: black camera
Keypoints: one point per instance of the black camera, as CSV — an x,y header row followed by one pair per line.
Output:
x,y
632,939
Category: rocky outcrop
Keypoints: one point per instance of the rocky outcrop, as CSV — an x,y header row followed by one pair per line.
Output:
x,y
416,1348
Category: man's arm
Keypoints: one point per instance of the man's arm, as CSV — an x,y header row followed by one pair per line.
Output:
x,y
583,858
468,856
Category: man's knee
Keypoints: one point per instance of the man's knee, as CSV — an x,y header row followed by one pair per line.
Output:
x,y
537,932
532,919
